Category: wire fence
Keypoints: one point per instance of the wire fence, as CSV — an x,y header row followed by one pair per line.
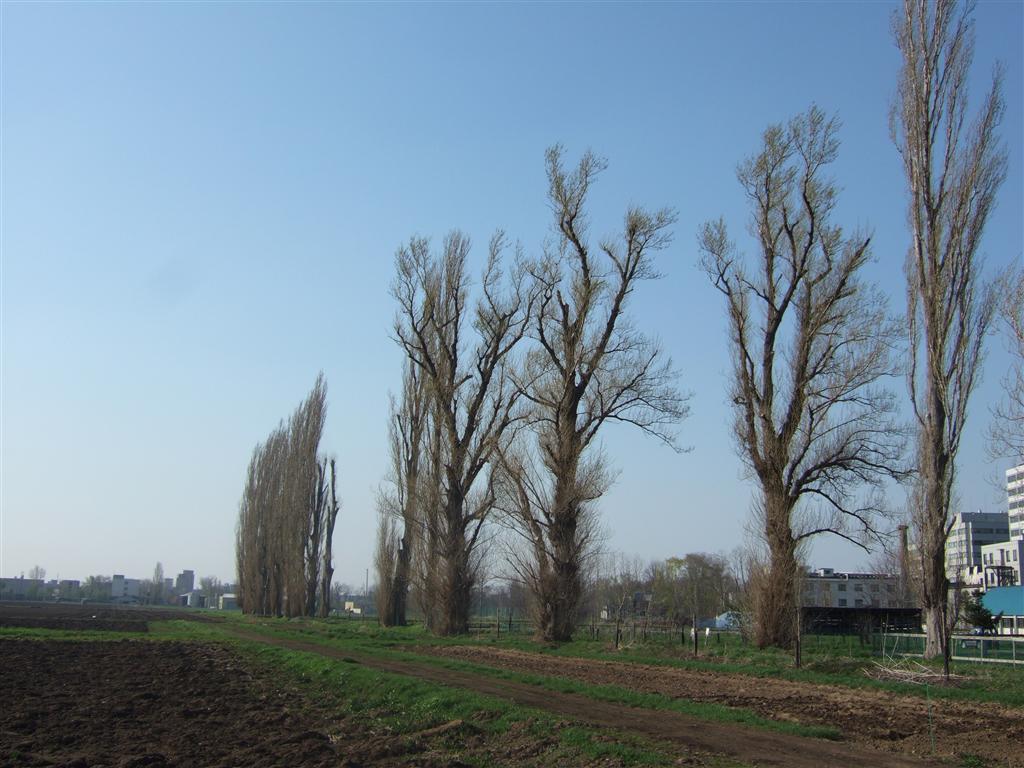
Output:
x,y
998,649
994,649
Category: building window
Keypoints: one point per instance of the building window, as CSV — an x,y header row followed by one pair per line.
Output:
x,y
842,602
859,603
842,587
874,587
858,587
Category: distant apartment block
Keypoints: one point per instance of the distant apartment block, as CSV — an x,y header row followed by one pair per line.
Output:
x,y
186,582
970,532
1015,500
20,588
1001,563
837,602
826,588
123,589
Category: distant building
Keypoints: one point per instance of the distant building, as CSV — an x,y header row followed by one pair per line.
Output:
x,y
969,533
826,588
20,588
836,601
186,582
124,590
1001,563
1008,601
228,602
1015,500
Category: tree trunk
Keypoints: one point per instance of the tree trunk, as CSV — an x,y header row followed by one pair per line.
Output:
x,y
560,586
935,628
776,599
400,583
458,592
457,578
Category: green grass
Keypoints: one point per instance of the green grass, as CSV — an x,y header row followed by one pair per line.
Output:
x,y
369,644
826,660
177,629
404,706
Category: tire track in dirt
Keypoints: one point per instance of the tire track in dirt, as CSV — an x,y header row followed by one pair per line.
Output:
x,y
746,744
879,719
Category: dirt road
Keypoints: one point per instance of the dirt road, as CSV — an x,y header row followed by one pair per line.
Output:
x,y
874,718
749,745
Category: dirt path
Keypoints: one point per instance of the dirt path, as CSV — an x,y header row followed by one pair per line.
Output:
x,y
878,719
749,745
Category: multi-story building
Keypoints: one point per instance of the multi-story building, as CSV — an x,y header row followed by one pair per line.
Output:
x,y
1001,563
124,590
20,588
1015,500
186,582
969,533
826,588
855,602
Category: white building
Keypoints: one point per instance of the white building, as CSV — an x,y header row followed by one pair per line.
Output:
x,y
970,532
123,589
228,602
1001,563
1015,500
826,588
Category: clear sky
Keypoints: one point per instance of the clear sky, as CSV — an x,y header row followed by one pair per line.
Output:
x,y
201,202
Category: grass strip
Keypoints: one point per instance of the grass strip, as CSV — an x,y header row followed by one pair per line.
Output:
x,y
405,706
609,693
997,683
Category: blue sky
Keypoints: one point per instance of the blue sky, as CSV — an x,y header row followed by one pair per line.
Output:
x,y
201,202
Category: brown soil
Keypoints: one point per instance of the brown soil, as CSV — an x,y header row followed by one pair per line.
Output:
x,y
127,704
134,703
750,745
137,703
880,719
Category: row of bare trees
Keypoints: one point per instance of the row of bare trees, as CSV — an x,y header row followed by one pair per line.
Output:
x,y
503,397
813,344
286,518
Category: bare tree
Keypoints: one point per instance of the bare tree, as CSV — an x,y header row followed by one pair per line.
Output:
x,y
385,557
474,400
426,543
330,513
811,346
589,366
287,516
407,429
953,171
524,495
157,594
1006,433
211,587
